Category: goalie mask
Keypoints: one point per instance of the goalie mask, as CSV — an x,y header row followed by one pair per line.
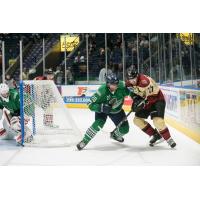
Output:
x,y
4,92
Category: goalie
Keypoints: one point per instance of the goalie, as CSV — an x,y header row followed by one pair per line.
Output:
x,y
10,116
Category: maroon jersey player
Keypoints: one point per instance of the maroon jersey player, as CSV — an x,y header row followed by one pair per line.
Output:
x,y
154,106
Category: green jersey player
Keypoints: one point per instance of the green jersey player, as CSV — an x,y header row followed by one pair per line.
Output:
x,y
10,111
107,102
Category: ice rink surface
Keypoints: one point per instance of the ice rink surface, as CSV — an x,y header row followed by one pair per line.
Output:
x,y
104,151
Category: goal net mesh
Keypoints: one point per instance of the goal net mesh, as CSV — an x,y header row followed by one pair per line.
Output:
x,y
49,119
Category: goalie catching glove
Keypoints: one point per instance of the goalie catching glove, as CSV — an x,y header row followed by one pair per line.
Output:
x,y
138,103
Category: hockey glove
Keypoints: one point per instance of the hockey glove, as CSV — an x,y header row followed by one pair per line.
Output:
x,y
105,108
138,104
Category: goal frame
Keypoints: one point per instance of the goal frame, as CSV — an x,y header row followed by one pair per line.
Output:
x,y
33,118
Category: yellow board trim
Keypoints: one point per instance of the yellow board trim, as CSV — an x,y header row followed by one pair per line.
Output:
x,y
126,108
186,131
76,105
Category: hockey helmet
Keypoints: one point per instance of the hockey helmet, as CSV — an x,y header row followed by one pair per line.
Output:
x,y
112,79
131,74
50,72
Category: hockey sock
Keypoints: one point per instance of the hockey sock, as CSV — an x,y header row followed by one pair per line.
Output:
x,y
148,129
118,133
90,133
165,133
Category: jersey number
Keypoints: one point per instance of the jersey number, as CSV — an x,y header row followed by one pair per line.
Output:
x,y
93,99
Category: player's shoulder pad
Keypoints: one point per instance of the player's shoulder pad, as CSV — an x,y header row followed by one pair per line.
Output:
x,y
143,81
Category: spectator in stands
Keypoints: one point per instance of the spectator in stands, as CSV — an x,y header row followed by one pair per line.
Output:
x,y
178,73
144,48
32,73
101,57
82,59
119,40
59,76
134,56
92,43
0,56
115,68
69,76
116,55
25,74
77,59
110,41
102,74
119,72
132,68
10,82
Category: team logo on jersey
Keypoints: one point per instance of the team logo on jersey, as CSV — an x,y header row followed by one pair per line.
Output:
x,y
113,101
108,97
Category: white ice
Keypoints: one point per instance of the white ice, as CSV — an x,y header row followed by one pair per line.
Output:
x,y
104,151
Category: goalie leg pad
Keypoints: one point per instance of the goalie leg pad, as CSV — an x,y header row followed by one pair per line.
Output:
x,y
15,123
27,138
9,132
2,133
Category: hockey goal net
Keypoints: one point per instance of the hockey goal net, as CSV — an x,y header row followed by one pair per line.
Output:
x,y
49,120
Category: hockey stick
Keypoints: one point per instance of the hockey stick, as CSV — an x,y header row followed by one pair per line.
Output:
x,y
123,120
